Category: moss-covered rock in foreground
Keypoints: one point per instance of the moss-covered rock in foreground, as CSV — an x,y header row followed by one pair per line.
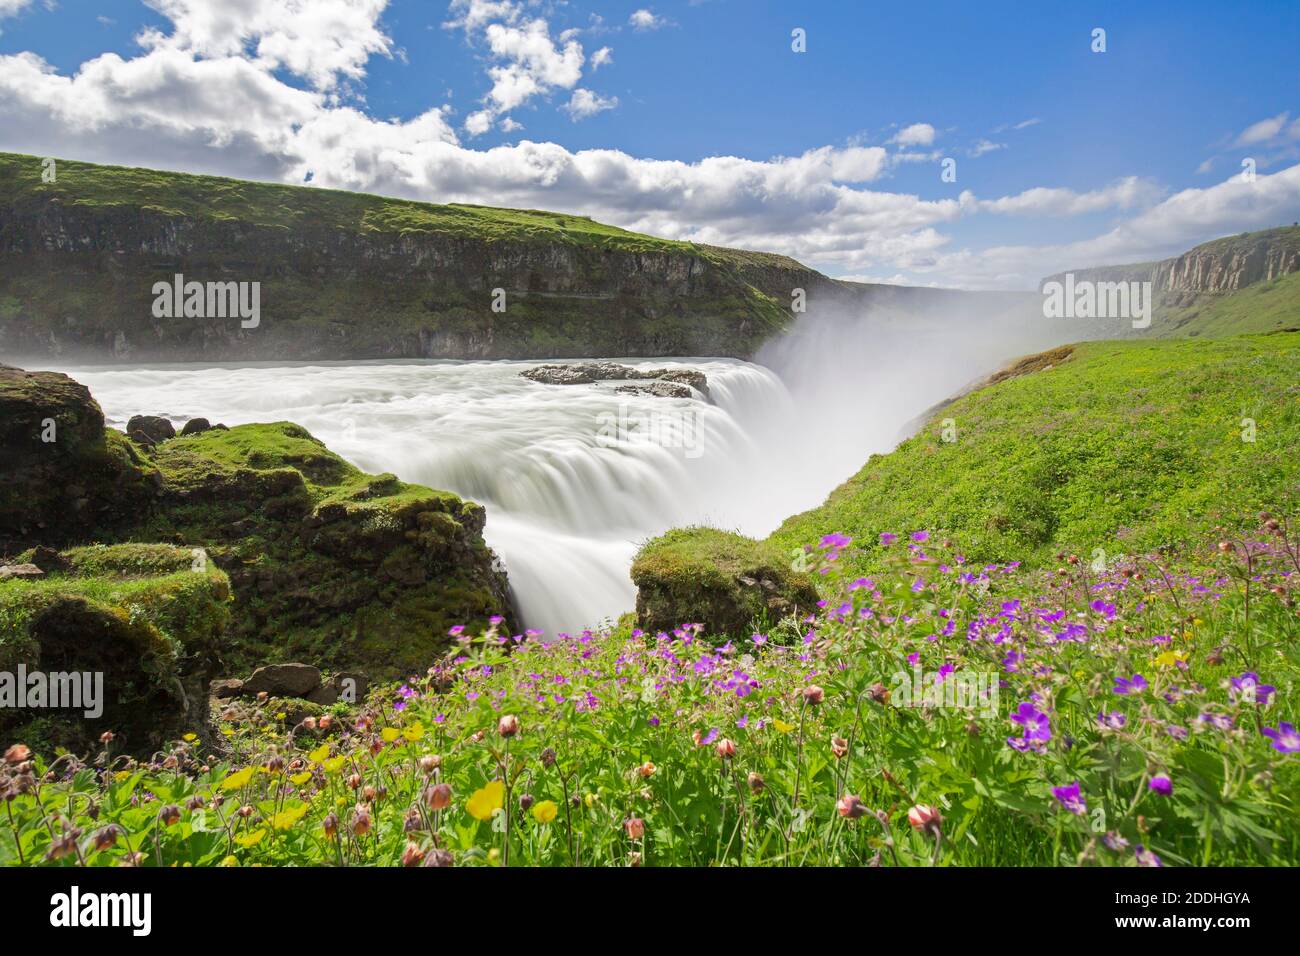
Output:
x,y
723,580
65,479
327,564
146,617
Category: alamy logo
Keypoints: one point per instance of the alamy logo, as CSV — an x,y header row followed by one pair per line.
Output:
x,y
946,689
74,909
677,429
1086,299
179,299
76,690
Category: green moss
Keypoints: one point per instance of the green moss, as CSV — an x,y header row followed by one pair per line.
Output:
x,y
733,584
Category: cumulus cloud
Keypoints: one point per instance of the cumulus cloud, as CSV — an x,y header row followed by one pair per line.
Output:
x,y
601,57
918,134
319,40
584,103
645,20
526,61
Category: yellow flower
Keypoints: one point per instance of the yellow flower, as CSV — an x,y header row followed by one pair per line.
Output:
x,y
237,779
414,732
1170,659
334,764
545,812
390,734
590,800
227,732
300,778
280,716
251,839
782,726
1197,621
229,861
486,801
190,738
287,818
319,754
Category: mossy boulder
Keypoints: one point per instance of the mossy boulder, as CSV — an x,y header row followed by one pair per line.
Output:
x,y
728,582
66,479
329,565
141,616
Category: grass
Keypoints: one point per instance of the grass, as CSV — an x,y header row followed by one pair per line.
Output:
x,y
1267,306
1120,446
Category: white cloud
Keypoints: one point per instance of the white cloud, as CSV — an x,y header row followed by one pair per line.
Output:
x,y
645,20
1126,193
319,40
526,60
584,103
918,134
1263,131
984,146
601,57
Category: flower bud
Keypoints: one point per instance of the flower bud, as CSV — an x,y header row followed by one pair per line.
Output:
x,y
647,769
438,796
851,806
756,783
169,815
508,725
924,817
726,748
634,827
839,746
812,694
429,763
412,855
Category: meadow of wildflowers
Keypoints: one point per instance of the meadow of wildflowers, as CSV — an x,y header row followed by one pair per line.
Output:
x,y
938,713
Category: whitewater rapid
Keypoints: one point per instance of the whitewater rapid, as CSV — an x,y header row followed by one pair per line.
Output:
x,y
574,477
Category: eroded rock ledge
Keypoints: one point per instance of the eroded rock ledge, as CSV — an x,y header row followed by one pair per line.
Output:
x,y
664,382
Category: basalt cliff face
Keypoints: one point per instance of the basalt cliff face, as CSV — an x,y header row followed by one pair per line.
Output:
x,y
1244,283
348,276
1230,264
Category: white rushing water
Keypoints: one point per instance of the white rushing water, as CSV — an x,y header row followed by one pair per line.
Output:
x,y
576,477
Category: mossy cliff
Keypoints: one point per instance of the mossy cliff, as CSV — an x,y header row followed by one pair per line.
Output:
x,y
326,564
347,275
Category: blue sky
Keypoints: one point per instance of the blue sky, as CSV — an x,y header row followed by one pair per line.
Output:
x,y
697,120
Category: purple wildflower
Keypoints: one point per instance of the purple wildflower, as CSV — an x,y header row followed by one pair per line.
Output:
x,y
1161,784
1284,736
1136,684
1071,798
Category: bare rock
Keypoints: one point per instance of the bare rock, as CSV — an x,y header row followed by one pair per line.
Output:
x,y
155,427
283,680
26,571
196,425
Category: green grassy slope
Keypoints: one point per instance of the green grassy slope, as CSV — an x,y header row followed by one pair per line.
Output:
x,y
1122,446
1268,306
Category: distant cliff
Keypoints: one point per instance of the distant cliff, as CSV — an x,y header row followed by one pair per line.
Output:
x,y
1244,283
346,275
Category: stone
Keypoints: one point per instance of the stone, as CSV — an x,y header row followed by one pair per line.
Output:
x,y
283,680
226,688
28,571
196,425
155,427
